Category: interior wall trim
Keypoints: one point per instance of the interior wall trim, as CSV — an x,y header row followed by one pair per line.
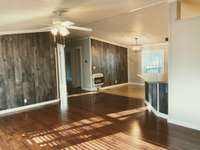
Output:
x,y
107,41
90,63
90,89
114,86
136,83
158,114
183,124
172,1
155,44
22,32
27,108
82,94
147,6
104,88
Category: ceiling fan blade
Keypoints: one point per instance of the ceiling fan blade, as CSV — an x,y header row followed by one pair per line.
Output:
x,y
80,28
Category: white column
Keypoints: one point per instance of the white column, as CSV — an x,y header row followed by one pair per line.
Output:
x,y
62,77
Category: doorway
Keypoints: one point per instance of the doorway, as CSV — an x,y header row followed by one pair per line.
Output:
x,y
74,70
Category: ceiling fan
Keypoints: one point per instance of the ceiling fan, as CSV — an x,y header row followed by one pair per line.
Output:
x,y
62,27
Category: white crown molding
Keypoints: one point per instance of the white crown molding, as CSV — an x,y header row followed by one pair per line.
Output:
x,y
107,41
147,6
155,44
22,32
172,1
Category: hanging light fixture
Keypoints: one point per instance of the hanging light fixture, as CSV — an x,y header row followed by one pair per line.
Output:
x,y
62,30
136,47
54,31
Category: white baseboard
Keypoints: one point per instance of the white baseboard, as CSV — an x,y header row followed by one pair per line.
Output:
x,y
136,83
90,89
82,94
113,86
158,114
183,124
26,108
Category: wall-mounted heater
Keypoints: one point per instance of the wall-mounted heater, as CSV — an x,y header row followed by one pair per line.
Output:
x,y
98,80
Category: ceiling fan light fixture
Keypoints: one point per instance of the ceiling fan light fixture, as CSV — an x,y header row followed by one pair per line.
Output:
x,y
63,31
54,31
67,23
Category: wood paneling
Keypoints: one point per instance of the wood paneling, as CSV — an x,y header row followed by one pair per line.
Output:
x,y
110,60
27,69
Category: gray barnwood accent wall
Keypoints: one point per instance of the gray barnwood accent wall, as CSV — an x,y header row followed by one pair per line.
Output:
x,y
27,69
111,60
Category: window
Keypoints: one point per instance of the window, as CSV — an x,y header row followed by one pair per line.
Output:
x,y
153,62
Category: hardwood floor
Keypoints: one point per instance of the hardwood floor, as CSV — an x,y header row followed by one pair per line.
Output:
x,y
94,122
72,91
134,91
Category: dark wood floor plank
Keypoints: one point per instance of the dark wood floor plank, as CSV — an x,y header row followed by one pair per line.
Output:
x,y
96,121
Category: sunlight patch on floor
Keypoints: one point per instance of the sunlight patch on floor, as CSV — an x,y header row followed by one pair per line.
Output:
x,y
115,141
88,133
127,112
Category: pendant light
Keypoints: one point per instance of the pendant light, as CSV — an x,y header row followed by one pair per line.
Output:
x,y
61,30
54,31
136,47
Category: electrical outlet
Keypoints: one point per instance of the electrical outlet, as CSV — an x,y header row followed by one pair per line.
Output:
x,y
115,81
94,67
25,101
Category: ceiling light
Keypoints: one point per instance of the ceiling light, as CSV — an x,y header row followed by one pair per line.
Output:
x,y
63,31
54,31
137,47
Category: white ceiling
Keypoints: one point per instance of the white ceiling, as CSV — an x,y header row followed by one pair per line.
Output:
x,y
110,19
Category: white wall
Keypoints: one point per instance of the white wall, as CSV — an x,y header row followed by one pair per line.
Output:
x,y
134,66
86,56
184,71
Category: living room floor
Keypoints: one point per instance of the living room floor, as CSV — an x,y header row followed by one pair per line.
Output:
x,y
100,121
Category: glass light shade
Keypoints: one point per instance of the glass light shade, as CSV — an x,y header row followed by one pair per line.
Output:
x,y
63,31
54,31
137,47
